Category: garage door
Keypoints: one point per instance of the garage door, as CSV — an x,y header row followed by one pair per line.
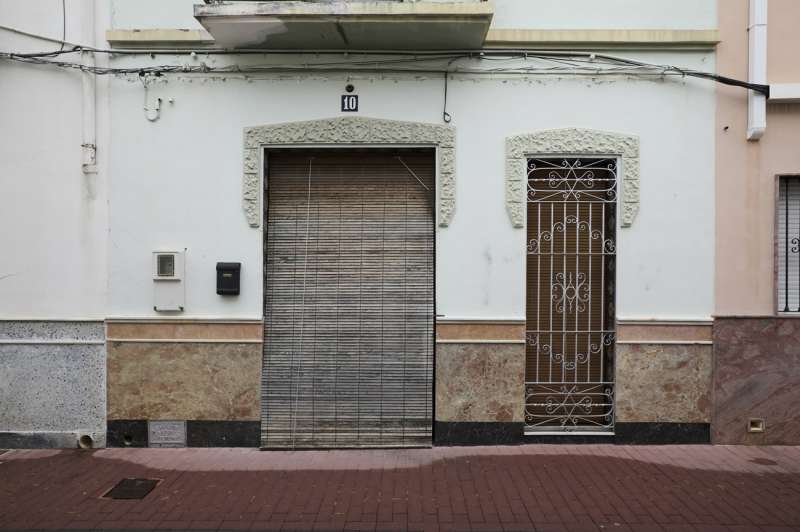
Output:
x,y
349,299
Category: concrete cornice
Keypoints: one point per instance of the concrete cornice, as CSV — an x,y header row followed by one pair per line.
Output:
x,y
495,38
134,37
350,9
525,38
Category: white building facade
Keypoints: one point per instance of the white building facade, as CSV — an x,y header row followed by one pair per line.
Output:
x,y
501,242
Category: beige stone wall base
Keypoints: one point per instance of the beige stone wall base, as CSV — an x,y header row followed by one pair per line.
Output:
x,y
480,331
658,332
184,330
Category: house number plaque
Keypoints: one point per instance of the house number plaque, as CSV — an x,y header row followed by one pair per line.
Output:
x,y
349,103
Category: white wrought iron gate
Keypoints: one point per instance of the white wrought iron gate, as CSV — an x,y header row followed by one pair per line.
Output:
x,y
570,317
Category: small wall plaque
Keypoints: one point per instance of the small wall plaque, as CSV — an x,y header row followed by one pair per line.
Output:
x,y
166,433
349,103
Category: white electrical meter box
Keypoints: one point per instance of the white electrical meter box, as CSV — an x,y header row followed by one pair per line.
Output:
x,y
168,281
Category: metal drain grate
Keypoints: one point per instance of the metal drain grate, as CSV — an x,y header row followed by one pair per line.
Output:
x,y
132,488
763,461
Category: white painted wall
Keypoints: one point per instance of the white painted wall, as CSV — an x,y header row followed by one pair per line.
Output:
x,y
605,14
517,14
53,217
154,14
665,260
177,182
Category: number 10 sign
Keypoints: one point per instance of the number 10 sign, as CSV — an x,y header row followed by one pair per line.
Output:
x,y
349,103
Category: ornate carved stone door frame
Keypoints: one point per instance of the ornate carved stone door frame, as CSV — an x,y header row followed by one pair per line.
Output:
x,y
349,131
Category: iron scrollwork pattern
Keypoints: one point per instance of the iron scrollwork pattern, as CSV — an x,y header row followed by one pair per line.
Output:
x,y
571,253
570,407
789,245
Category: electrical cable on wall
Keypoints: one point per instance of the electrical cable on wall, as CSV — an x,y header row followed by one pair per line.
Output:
x,y
63,24
445,115
564,65
151,113
551,62
446,118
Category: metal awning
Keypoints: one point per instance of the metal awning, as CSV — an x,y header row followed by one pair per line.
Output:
x,y
339,25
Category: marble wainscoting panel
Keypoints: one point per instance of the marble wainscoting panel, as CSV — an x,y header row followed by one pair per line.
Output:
x,y
756,375
665,383
480,382
184,381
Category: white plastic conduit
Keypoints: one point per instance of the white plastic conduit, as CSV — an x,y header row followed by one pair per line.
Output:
x,y
89,125
757,36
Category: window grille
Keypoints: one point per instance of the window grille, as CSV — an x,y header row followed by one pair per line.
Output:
x,y
789,245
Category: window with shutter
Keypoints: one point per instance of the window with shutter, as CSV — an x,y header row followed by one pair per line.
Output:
x,y
788,241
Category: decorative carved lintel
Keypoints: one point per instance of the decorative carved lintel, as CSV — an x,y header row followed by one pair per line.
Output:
x,y
577,142
349,130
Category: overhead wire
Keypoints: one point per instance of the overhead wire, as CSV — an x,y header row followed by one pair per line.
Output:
x,y
63,23
560,61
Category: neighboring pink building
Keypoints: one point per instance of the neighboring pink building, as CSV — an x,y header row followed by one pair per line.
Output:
x,y
757,322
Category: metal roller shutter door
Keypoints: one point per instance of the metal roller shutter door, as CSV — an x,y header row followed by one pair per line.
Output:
x,y
349,299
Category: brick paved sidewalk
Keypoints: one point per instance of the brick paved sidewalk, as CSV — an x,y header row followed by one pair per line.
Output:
x,y
556,487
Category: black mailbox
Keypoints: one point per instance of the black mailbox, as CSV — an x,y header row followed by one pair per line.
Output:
x,y
228,278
